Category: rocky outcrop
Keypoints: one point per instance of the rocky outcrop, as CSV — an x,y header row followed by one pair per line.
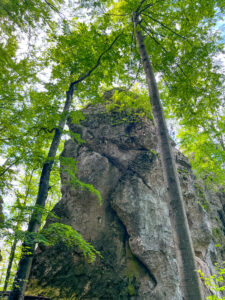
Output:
x,y
131,228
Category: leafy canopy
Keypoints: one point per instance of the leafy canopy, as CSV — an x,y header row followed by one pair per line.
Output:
x,y
182,40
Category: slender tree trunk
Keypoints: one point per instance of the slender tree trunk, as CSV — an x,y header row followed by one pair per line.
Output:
x,y
1,217
1,276
23,272
185,254
11,258
14,244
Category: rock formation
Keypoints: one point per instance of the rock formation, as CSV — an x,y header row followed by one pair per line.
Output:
x,y
131,228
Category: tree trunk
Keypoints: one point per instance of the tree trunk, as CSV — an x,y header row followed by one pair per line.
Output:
x,y
184,249
23,272
11,258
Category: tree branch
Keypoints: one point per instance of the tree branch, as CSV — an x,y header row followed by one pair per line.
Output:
x,y
181,69
168,28
140,5
52,6
136,76
46,130
131,46
152,37
166,51
117,15
96,65
146,7
9,166
153,31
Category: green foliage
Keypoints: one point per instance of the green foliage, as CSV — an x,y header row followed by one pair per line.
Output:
x,y
217,234
76,137
57,232
215,282
25,129
202,200
76,116
70,168
153,152
181,40
15,222
23,14
205,151
134,103
70,62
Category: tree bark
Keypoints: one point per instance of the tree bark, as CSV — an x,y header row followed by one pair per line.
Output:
x,y
190,283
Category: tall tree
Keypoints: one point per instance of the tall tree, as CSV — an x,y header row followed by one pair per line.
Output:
x,y
185,254
25,263
18,215
42,110
156,20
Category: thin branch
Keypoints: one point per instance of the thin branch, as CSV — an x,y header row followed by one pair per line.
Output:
x,y
52,6
131,47
117,15
96,65
146,7
154,39
153,31
12,164
132,39
9,14
181,69
140,5
168,28
135,79
46,130
166,51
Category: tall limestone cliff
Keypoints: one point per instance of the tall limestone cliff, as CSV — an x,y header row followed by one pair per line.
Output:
x,y
131,228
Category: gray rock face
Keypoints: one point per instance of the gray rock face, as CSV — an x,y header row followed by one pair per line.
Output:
x,y
132,227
